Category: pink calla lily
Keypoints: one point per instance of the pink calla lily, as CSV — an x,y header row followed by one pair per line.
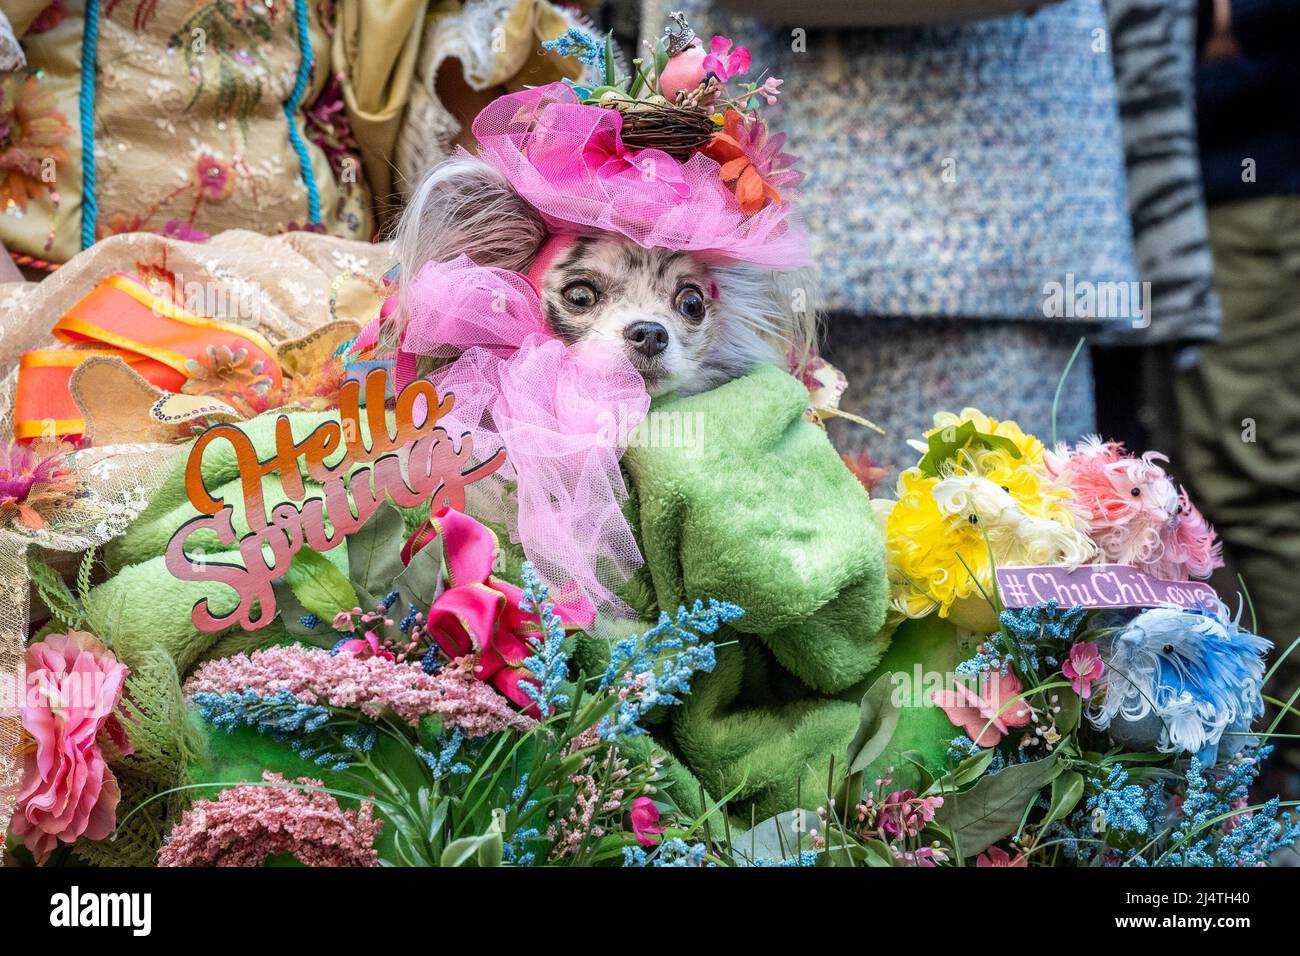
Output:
x,y
477,613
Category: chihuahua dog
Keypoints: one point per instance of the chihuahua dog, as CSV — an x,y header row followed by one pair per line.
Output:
x,y
687,321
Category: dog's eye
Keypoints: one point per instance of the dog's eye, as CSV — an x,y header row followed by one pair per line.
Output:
x,y
690,302
581,294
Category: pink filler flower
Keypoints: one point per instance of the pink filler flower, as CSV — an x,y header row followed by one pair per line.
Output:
x,y
245,825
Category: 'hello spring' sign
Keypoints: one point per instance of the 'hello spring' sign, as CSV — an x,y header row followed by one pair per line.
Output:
x,y
1098,586
414,463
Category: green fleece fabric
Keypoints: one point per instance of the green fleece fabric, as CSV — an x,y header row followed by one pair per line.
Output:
x,y
760,511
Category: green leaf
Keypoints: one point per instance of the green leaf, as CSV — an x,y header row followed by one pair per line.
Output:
x,y
420,582
947,442
429,731
1067,790
485,849
437,819
972,768
375,551
638,80
878,854
877,720
777,838
917,760
661,60
292,612
1068,718
320,587
611,68
594,95
491,849
994,807
54,591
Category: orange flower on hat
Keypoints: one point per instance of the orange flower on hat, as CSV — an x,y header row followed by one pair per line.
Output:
x,y
752,162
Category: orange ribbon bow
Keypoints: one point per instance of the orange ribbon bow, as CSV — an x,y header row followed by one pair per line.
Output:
x,y
121,317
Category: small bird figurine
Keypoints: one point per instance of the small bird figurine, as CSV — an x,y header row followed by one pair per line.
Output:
x,y
1134,511
1179,680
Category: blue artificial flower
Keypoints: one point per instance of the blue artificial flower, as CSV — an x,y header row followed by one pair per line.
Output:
x,y
1028,639
1201,840
676,852
805,858
577,45
657,667
1121,804
430,662
512,849
550,662
280,716
444,763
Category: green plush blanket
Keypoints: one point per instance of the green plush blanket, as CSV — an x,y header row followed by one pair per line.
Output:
x,y
759,510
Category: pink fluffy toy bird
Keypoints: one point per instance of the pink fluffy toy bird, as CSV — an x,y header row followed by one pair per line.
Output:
x,y
1134,511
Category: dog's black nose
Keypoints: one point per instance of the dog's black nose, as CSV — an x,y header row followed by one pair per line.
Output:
x,y
648,338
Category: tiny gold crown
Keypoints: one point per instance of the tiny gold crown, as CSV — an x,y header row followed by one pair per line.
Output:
x,y
679,33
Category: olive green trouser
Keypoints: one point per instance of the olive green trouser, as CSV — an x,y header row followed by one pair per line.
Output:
x,y
1240,411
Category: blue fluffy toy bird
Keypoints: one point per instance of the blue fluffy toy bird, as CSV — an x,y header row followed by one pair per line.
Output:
x,y
1178,680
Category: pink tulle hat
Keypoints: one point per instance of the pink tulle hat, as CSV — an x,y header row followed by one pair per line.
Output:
x,y
569,162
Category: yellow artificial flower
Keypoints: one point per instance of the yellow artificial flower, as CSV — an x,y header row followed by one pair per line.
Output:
x,y
983,505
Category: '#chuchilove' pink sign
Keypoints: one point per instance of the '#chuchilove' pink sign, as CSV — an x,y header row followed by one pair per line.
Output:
x,y
1098,585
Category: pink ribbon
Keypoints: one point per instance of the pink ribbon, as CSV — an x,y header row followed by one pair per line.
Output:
x,y
478,613
562,413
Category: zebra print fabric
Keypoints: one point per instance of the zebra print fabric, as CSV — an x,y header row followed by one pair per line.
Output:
x,y
1154,51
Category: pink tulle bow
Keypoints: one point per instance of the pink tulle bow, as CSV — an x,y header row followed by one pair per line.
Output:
x,y
570,163
562,414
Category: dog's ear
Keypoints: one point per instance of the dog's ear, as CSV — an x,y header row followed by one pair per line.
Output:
x,y
780,312
465,207
798,295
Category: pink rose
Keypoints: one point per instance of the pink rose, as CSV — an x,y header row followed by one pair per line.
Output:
x,y
645,821
478,613
73,687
